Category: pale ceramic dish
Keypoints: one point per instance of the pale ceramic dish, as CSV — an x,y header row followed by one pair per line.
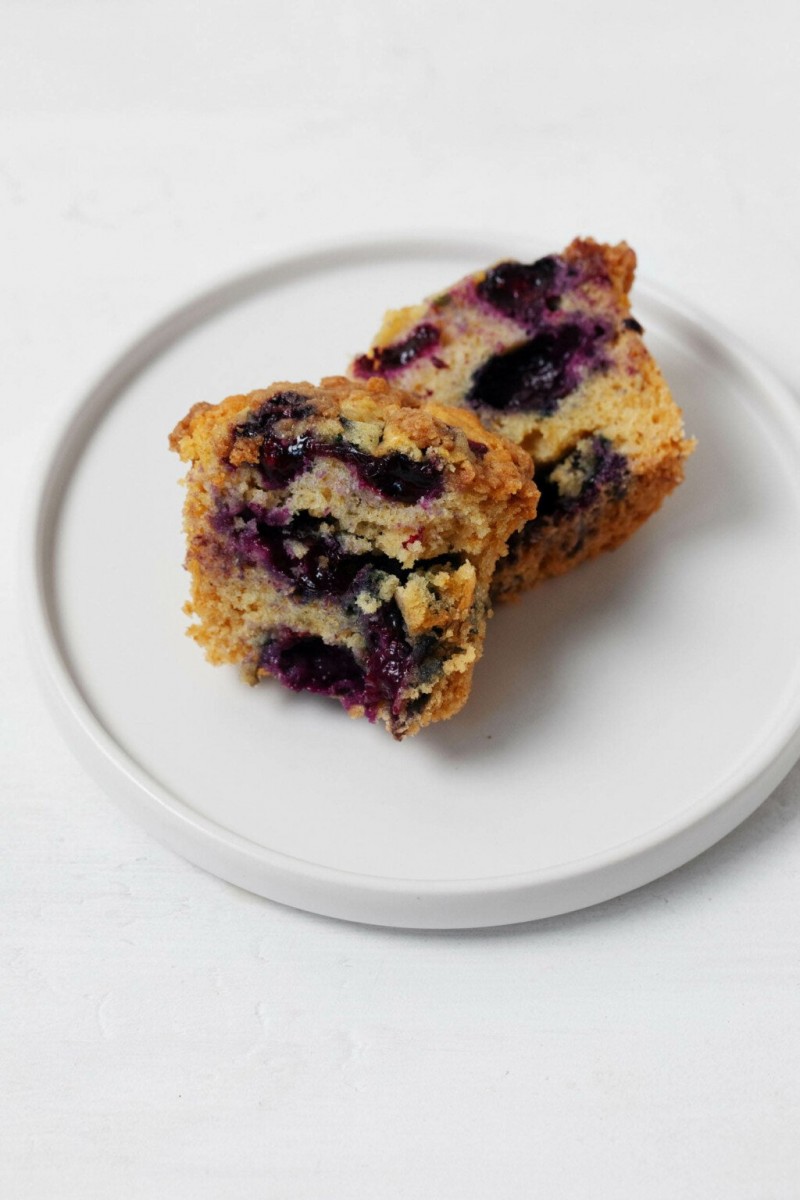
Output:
x,y
623,719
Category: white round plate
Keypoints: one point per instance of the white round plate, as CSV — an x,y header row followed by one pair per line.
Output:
x,y
622,719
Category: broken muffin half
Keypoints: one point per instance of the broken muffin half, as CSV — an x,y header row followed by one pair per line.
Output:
x,y
342,540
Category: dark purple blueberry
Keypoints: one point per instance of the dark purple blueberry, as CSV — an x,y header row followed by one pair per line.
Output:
x,y
609,470
550,499
383,360
477,448
522,290
300,556
394,475
389,658
598,466
534,377
281,462
632,324
307,664
603,469
283,406
324,570
311,563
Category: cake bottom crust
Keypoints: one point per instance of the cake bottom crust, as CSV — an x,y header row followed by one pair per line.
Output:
x,y
552,546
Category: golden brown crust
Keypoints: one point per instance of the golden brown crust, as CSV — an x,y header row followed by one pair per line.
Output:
x,y
617,262
577,537
183,430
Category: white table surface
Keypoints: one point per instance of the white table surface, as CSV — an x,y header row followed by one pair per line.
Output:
x,y
163,1034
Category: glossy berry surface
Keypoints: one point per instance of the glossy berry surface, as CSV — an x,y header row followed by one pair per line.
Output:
x,y
394,475
389,658
384,360
283,406
300,555
281,461
535,376
310,562
304,662
307,664
522,291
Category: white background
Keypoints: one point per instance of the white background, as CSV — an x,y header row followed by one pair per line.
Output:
x,y
163,1034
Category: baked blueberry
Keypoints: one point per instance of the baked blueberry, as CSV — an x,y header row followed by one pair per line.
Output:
x,y
421,341
535,376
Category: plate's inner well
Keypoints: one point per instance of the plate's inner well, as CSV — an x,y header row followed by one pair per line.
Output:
x,y
608,703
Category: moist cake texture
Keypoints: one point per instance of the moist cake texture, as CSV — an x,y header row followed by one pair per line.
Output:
x,y
548,355
342,540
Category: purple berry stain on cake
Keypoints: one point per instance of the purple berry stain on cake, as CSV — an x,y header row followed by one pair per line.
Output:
x,y
522,291
299,555
609,469
389,659
537,375
386,360
563,345
280,461
597,466
597,469
394,475
305,561
304,662
283,406
307,664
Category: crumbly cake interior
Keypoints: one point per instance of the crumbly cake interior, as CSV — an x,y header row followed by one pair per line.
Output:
x,y
548,355
342,539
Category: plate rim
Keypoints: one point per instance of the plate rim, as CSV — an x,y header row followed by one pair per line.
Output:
x,y
481,901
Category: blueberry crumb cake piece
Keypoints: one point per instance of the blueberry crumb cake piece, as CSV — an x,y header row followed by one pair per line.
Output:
x,y
548,355
342,540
